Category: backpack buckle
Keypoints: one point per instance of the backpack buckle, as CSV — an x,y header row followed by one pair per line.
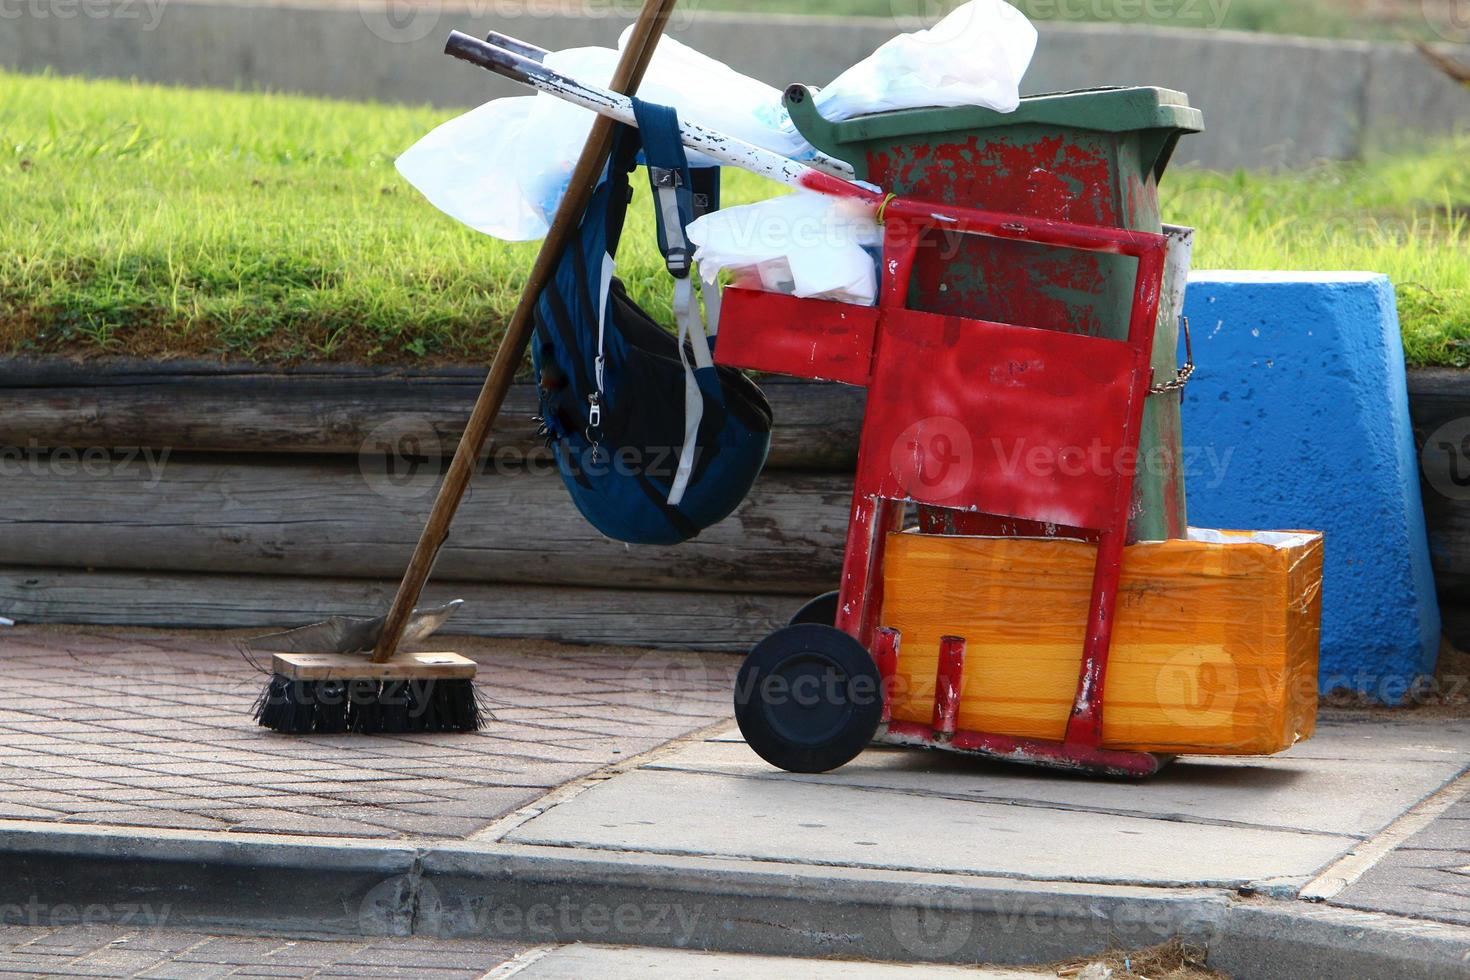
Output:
x,y
666,177
666,184
593,432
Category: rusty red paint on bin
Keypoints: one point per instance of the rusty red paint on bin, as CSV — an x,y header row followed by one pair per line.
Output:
x,y
1050,177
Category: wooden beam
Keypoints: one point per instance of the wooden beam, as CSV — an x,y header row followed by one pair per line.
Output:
x,y
721,621
337,518
375,412
1438,397
191,406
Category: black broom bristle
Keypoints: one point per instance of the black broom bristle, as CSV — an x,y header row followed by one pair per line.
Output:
x,y
369,707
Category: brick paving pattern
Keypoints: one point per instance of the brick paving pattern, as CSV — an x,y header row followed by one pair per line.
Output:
x,y
112,951
1427,876
153,729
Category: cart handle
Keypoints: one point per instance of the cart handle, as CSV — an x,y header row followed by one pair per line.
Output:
x,y
906,219
523,48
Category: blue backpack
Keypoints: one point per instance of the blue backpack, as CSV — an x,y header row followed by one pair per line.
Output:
x,y
653,440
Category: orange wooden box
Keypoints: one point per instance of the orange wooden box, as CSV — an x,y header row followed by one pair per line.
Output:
x,y
1214,647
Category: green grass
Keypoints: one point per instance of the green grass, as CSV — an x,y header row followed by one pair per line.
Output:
x,y
1406,215
154,221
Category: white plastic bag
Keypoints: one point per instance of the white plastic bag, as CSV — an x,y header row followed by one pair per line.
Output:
x,y
974,56
463,168
718,97
803,244
503,168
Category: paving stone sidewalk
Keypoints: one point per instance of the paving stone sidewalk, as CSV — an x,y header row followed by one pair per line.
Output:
x,y
1249,824
155,954
1427,876
152,728
110,729
107,951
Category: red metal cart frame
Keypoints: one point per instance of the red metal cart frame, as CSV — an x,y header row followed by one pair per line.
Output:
x,y
955,406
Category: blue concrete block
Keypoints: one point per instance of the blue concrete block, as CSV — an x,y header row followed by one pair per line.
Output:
x,y
1298,417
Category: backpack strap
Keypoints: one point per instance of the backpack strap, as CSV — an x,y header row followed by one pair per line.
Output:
x,y
705,186
673,186
674,201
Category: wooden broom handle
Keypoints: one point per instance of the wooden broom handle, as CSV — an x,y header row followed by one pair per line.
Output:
x,y
631,67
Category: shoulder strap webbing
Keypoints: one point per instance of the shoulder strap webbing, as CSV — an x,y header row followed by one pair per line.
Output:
x,y
668,175
673,195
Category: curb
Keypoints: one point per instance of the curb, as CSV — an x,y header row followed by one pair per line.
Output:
x,y
330,886
546,894
202,880
1290,941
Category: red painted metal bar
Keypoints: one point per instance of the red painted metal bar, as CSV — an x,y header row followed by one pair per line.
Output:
x,y
921,215
860,596
885,654
1085,725
1031,751
949,677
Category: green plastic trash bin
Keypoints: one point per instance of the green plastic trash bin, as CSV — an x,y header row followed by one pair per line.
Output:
x,y
1093,157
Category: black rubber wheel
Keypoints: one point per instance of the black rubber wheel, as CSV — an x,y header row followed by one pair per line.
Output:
x,y
808,698
822,610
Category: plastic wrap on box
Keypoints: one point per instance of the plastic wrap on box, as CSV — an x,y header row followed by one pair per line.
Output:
x,y
1214,645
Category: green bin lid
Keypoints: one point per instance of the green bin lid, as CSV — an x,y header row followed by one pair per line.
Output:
x,y
1111,110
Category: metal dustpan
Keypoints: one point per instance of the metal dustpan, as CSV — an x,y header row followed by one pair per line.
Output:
x,y
333,649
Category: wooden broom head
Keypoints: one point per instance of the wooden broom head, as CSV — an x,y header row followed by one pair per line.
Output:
x,y
354,666
343,693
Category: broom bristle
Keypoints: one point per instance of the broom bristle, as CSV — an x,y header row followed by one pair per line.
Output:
x,y
369,707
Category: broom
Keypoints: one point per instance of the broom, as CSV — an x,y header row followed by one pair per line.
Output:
x,y
319,683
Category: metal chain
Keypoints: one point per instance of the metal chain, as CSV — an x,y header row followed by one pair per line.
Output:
x,y
1182,375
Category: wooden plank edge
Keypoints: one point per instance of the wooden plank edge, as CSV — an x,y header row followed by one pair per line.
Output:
x,y
728,622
